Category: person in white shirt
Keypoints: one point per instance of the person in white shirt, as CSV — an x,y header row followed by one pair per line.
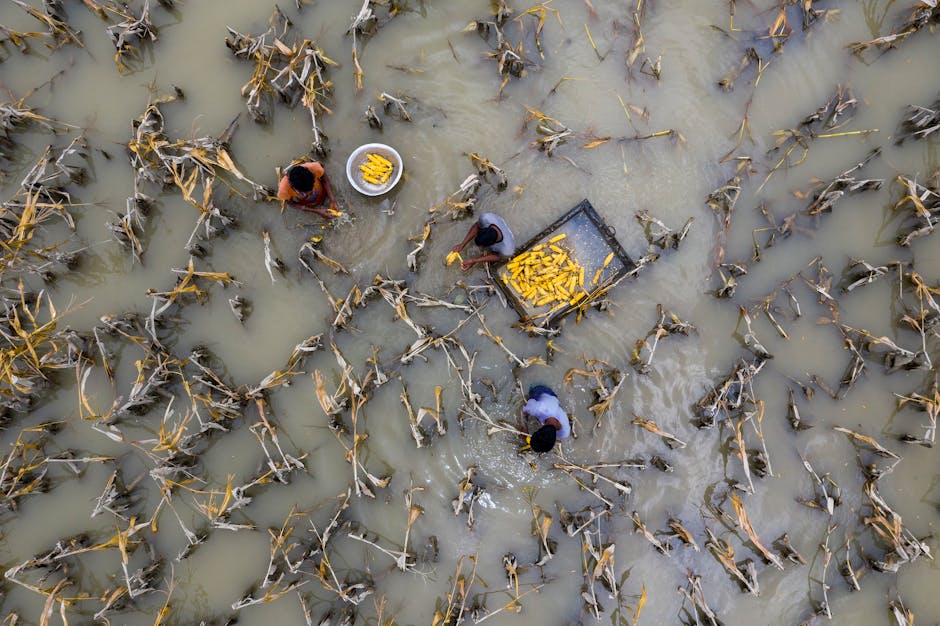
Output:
x,y
491,233
543,405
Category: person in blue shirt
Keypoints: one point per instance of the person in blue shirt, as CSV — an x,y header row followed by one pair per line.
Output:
x,y
543,405
492,234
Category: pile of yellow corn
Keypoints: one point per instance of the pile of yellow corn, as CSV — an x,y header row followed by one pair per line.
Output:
x,y
546,275
376,169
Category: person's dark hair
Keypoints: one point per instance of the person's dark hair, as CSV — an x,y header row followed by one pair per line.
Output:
x,y
300,178
543,439
486,236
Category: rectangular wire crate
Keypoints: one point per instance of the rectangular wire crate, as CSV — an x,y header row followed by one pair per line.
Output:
x,y
588,240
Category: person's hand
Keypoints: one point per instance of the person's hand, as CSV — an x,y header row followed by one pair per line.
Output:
x,y
457,248
334,206
325,214
466,265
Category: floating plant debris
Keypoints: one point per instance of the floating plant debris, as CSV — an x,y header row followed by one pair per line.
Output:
x,y
348,415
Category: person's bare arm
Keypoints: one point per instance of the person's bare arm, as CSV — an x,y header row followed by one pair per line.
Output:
x,y
324,213
470,235
283,190
329,191
486,258
525,416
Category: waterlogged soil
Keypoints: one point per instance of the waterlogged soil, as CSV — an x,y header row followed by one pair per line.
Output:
x,y
652,130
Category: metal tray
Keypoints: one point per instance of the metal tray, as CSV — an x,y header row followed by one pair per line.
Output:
x,y
590,240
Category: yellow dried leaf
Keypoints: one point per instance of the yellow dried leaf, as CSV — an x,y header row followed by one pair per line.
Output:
x,y
597,142
639,606
608,555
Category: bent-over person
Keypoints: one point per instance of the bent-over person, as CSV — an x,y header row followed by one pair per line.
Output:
x,y
306,186
543,405
492,234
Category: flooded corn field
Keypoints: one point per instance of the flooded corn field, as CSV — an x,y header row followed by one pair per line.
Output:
x,y
219,408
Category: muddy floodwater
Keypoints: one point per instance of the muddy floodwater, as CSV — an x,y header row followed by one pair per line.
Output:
x,y
219,409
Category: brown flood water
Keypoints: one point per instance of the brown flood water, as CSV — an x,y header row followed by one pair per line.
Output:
x,y
427,55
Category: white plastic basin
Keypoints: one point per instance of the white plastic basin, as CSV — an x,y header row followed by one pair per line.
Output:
x,y
358,157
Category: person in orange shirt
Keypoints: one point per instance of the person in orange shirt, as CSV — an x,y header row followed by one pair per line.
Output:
x,y
306,186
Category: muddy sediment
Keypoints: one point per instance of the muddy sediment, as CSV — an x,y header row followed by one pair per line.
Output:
x,y
216,408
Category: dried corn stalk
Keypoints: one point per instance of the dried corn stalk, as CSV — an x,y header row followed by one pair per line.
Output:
x,y
127,34
925,13
292,72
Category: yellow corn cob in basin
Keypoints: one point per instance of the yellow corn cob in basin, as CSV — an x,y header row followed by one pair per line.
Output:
x,y
376,169
546,275
378,159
